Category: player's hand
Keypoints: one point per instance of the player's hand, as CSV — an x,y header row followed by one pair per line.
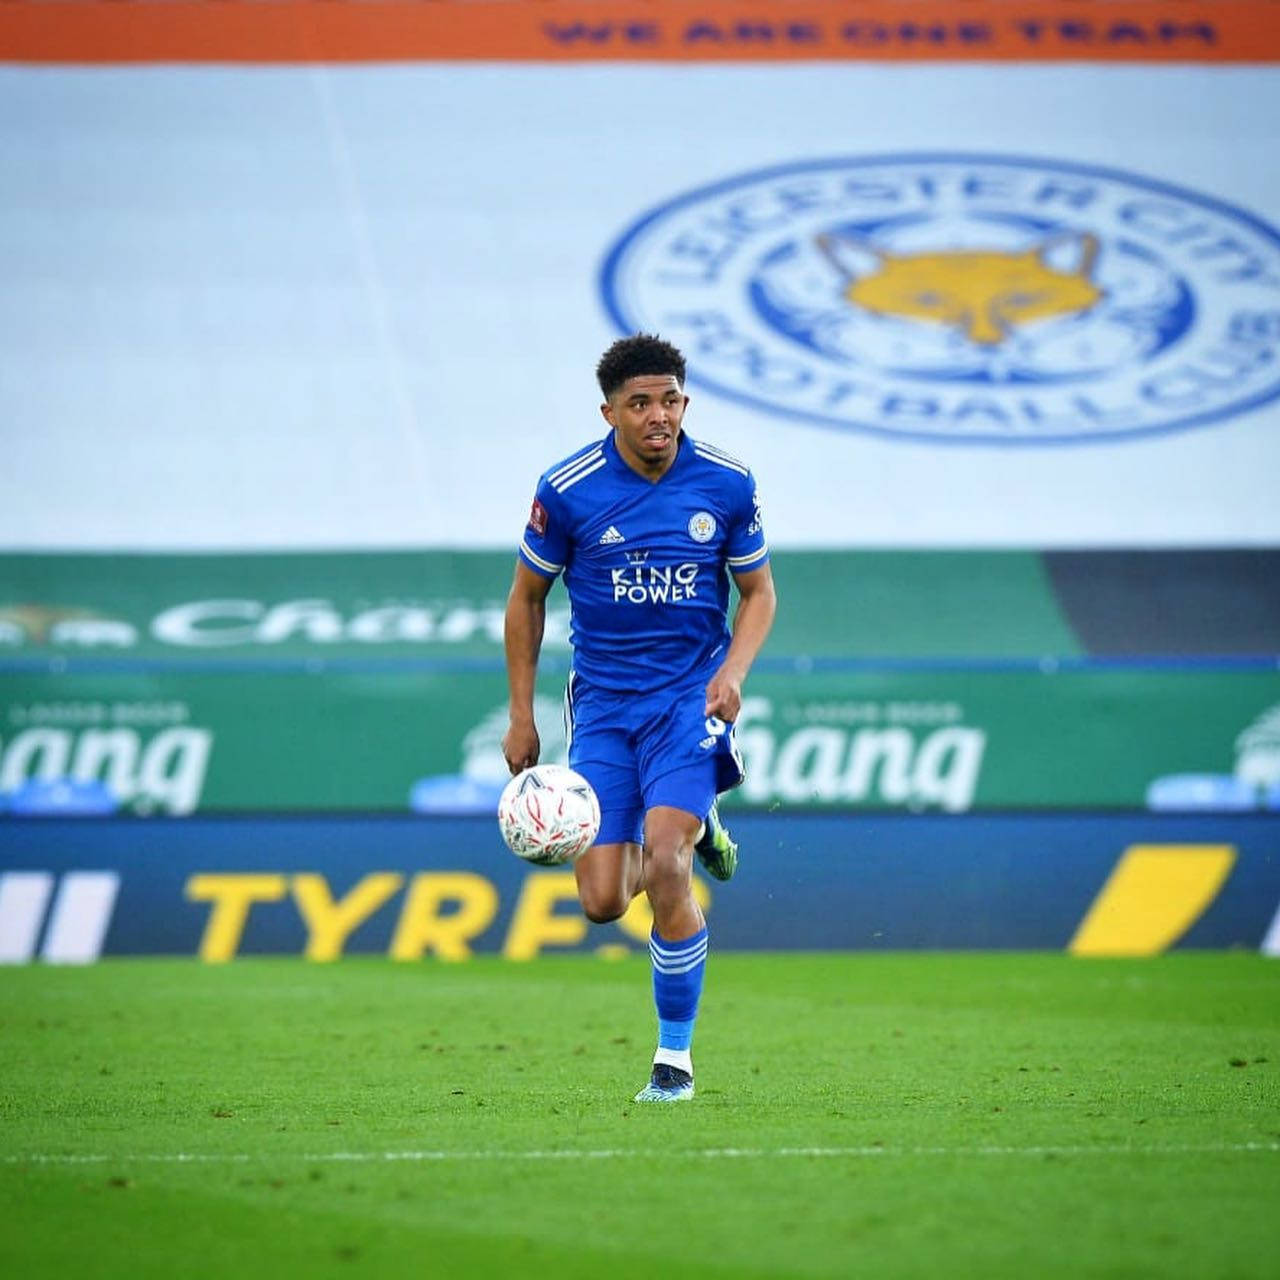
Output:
x,y
724,697
521,746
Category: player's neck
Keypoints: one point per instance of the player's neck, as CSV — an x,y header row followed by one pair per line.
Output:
x,y
645,469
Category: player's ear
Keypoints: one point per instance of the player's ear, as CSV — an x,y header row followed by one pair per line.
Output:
x,y
606,411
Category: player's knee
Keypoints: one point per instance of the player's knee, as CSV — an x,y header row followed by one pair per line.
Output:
x,y
601,906
669,870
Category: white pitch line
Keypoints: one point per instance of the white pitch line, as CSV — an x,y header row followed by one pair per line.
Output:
x,y
632,1153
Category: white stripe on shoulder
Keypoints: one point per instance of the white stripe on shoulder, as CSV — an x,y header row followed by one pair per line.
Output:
x,y
587,455
741,562
719,452
732,464
581,474
545,565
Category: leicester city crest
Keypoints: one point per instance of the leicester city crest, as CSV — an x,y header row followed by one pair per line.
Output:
x,y
966,297
702,526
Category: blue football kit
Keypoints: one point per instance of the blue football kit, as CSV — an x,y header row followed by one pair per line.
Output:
x,y
646,565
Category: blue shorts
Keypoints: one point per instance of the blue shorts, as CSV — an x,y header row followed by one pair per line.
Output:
x,y
639,751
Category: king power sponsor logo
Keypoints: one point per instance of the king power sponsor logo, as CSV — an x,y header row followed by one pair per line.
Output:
x,y
238,623
967,298
654,584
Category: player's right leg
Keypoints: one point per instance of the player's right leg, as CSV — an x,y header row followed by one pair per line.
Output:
x,y
716,848
608,877
609,874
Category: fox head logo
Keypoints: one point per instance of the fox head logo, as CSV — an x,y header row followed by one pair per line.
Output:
x,y
985,294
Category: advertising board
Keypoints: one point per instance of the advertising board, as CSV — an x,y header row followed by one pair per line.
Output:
x,y
413,888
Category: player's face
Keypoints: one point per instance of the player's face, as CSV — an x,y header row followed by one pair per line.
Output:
x,y
645,413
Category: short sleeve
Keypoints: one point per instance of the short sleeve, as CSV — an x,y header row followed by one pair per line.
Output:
x,y
545,544
746,547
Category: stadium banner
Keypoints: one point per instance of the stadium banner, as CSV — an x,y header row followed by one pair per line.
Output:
x,y
1120,884
61,611
66,613
96,31
947,739
927,304
374,681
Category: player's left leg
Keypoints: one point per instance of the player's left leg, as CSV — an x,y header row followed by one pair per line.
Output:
x,y
681,771
677,949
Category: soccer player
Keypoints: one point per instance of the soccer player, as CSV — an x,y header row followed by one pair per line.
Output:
x,y
646,526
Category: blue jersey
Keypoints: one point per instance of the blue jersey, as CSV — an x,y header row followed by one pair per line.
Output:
x,y
646,564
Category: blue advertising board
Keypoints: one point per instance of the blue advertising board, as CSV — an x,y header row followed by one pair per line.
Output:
x,y
323,887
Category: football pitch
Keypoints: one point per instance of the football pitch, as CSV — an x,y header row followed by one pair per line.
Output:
x,y
902,1115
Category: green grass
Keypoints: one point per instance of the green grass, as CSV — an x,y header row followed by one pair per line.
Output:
x,y
879,1116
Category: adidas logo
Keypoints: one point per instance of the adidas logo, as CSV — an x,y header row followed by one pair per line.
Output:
x,y
610,536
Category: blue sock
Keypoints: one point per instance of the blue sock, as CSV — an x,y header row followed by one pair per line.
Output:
x,y
677,986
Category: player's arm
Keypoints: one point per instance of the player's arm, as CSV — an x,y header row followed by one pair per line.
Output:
x,y
523,625
757,603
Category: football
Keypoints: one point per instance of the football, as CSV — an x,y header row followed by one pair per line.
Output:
x,y
549,815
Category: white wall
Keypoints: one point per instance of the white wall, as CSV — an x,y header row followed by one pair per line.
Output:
x,y
311,307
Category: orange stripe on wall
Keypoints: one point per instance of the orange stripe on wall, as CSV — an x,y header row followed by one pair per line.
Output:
x,y
283,31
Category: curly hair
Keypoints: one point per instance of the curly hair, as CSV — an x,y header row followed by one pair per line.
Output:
x,y
642,353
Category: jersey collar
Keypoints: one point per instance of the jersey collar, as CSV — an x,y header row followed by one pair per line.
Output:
x,y
683,447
